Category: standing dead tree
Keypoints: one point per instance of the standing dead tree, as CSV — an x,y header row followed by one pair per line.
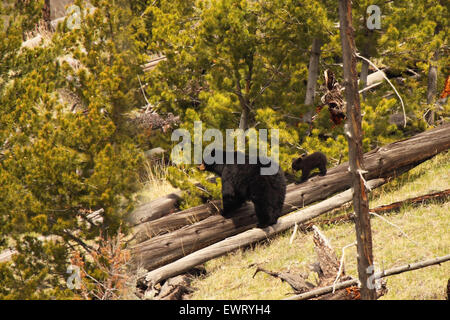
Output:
x,y
354,136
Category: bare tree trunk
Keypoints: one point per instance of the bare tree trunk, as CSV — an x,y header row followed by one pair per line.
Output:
x,y
354,136
432,80
432,84
243,122
364,74
46,15
244,97
313,72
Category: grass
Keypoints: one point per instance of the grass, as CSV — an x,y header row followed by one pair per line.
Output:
x,y
427,227
154,183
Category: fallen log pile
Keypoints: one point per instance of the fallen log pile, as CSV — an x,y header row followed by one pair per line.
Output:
x,y
246,238
383,162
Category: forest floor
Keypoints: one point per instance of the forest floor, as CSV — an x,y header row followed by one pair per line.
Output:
x,y
427,235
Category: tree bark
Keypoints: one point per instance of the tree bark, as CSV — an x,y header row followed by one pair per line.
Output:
x,y
244,97
243,122
387,161
46,15
354,136
364,75
155,209
313,72
432,82
432,86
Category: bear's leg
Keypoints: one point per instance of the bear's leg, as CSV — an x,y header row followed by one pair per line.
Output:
x,y
305,175
230,204
231,201
265,214
323,170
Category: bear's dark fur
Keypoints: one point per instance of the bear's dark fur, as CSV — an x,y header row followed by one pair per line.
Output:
x,y
309,162
242,182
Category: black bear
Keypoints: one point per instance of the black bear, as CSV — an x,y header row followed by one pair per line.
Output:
x,y
242,182
309,162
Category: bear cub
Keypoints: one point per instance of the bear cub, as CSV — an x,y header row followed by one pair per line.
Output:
x,y
310,162
242,182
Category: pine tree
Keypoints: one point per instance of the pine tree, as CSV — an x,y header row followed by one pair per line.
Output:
x,y
59,162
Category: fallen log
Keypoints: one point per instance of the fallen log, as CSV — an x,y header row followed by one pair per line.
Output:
x,y
383,162
378,275
160,208
441,196
155,209
395,206
248,237
172,222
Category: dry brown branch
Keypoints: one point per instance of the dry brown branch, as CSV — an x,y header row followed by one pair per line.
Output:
x,y
327,267
378,275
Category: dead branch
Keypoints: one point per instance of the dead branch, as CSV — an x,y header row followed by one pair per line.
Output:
x,y
296,281
327,268
378,275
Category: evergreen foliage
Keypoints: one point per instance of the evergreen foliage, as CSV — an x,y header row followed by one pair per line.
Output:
x,y
60,162
67,147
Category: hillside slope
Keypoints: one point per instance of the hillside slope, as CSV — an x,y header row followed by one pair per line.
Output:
x,y
427,227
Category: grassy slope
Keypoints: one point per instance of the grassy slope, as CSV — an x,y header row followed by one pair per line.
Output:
x,y
230,277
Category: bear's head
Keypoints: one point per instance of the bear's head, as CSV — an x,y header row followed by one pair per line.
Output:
x,y
211,166
297,163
